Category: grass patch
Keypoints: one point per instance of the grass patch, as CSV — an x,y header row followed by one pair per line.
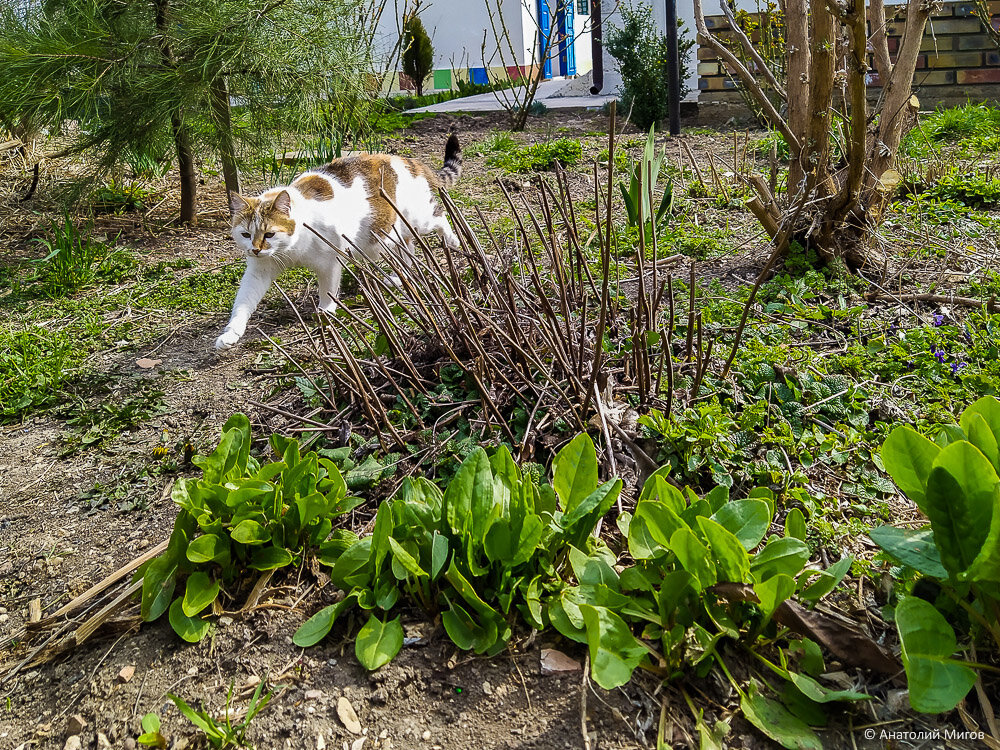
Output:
x,y
971,127
537,157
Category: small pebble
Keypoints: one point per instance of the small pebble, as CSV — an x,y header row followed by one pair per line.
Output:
x,y
426,736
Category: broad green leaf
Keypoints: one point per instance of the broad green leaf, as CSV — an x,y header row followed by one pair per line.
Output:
x,y
962,492
780,555
912,547
313,630
468,496
479,634
641,544
199,593
240,424
693,556
773,591
218,465
353,568
250,532
659,521
406,560
936,683
467,591
580,521
158,584
815,691
592,569
731,560
574,471
795,524
439,554
986,409
270,558
777,722
191,629
748,520
826,581
981,436
986,566
907,457
208,548
150,723
378,642
614,651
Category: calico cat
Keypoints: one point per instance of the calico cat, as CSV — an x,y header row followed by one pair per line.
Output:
x,y
342,201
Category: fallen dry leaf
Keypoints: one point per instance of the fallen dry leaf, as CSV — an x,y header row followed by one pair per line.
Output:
x,y
840,636
147,364
348,716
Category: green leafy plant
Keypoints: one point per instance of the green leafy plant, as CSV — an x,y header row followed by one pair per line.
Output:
x,y
639,196
118,196
151,736
72,259
494,549
481,554
241,516
225,734
538,157
641,51
954,481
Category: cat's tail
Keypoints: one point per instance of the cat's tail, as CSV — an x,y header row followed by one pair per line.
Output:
x,y
452,168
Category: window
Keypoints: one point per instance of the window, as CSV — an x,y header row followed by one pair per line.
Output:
x,y
582,7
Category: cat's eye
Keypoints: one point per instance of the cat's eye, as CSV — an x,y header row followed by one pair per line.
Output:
x,y
268,235
247,235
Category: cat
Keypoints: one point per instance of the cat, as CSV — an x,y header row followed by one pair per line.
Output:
x,y
342,201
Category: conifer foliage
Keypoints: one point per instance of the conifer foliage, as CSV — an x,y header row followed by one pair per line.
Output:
x,y
189,77
418,52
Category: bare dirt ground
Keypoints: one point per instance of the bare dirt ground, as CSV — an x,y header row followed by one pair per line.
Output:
x,y
54,545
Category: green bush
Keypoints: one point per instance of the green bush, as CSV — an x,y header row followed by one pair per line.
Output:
x,y
641,52
241,516
538,157
955,481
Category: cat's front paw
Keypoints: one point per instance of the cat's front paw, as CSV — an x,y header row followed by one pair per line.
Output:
x,y
330,306
226,340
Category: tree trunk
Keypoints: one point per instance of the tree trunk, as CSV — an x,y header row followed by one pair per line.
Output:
x,y
182,138
185,166
219,92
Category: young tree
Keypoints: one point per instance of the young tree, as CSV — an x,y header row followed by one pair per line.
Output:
x,y
833,207
642,54
517,99
137,76
418,53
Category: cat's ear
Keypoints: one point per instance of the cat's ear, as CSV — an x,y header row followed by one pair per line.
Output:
x,y
237,203
283,202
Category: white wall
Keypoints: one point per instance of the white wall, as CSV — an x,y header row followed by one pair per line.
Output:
x,y
456,29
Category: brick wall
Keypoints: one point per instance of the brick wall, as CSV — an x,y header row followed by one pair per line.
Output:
x,y
958,61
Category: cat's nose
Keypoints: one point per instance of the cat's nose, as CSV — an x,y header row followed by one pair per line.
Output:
x,y
256,251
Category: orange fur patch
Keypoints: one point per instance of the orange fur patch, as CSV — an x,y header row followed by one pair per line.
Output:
x,y
313,187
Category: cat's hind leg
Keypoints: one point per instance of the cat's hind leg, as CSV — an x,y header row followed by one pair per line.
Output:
x,y
257,279
442,229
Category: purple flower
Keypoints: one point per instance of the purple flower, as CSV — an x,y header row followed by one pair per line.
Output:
x,y
956,366
938,319
939,355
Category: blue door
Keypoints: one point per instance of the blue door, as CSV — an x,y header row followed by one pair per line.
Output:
x,y
544,19
567,52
